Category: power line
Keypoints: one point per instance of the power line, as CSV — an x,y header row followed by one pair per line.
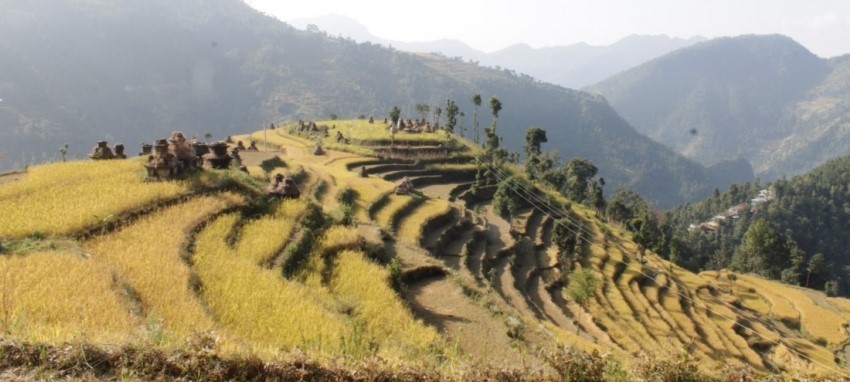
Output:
x,y
503,176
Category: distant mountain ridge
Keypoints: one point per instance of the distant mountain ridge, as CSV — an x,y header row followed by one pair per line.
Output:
x,y
77,71
766,99
574,66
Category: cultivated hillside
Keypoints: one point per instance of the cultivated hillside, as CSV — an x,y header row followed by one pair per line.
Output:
x,y
79,70
435,280
765,99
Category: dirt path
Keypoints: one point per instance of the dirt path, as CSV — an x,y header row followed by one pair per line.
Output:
x,y
506,285
255,158
455,247
821,301
412,257
328,197
9,177
441,303
532,225
438,191
498,231
588,326
475,259
538,294
430,239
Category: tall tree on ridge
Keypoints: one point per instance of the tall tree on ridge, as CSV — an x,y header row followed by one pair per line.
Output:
x,y
581,288
495,108
451,116
395,114
476,100
422,109
534,137
462,130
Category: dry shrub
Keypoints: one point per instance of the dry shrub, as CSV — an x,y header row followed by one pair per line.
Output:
x,y
679,367
574,365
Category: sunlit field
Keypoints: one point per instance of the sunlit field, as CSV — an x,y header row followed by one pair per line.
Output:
x,y
56,297
385,215
276,278
64,198
261,239
410,227
149,257
257,304
363,287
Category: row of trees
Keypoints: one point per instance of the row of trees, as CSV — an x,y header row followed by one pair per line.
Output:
x,y
453,112
574,179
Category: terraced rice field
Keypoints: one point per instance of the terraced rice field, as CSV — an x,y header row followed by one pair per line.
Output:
x,y
175,271
410,226
65,198
148,256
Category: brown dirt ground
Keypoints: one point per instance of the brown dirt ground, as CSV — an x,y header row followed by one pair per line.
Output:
x,y
9,177
478,333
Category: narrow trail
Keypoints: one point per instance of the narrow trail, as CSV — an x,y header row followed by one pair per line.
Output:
x,y
438,191
504,283
498,231
13,176
540,297
255,158
328,197
431,238
441,303
453,254
455,247
475,260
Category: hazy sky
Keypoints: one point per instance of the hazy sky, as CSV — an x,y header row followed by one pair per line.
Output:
x,y
823,26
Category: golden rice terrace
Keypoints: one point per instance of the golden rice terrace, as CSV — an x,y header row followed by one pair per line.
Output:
x,y
428,279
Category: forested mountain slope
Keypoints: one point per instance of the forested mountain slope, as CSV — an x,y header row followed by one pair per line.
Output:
x,y
765,99
798,233
75,71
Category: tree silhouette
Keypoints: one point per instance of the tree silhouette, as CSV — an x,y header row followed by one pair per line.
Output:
x,y
451,116
395,114
495,108
64,151
491,145
422,109
579,173
642,235
581,289
534,137
816,264
762,251
476,100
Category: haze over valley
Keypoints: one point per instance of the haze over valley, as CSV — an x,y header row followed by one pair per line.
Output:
x,y
229,190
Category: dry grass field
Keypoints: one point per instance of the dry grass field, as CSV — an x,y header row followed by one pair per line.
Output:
x,y
213,256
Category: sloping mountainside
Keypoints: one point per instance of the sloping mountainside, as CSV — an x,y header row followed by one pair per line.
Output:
x,y
76,71
208,277
820,123
580,65
765,99
572,66
806,219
